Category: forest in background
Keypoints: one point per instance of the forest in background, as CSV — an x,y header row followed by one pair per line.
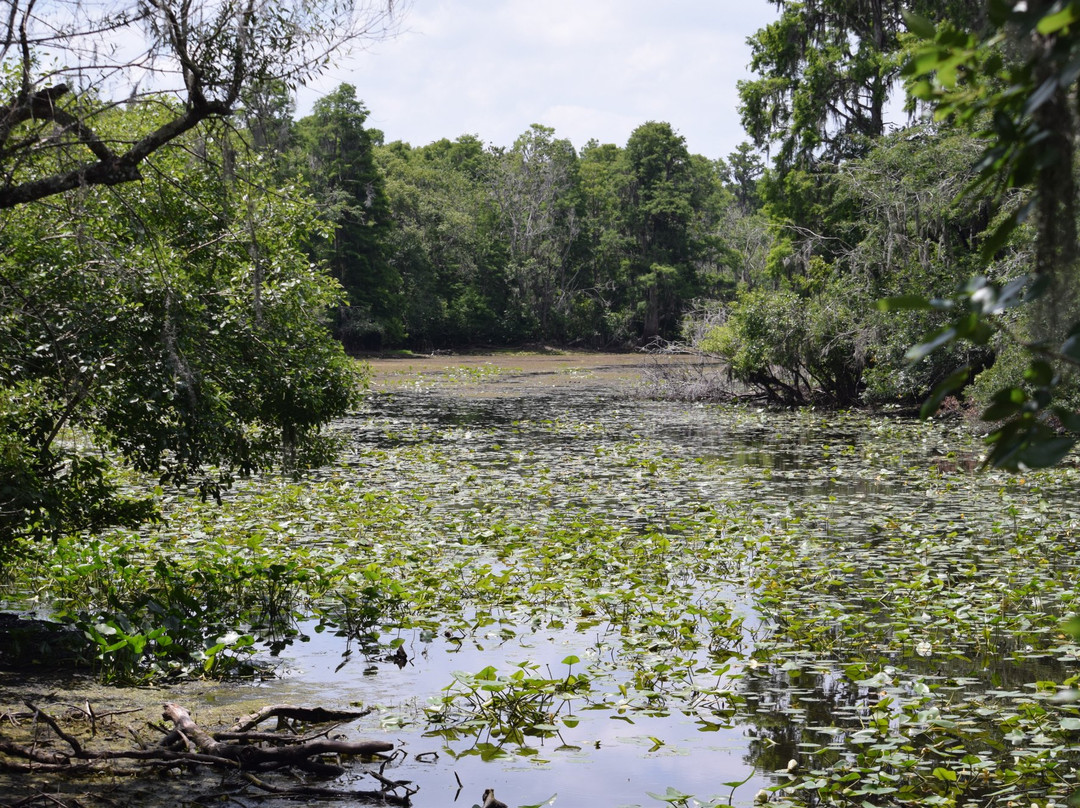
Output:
x,y
772,257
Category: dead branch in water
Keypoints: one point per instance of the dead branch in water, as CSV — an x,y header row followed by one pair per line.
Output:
x,y
239,750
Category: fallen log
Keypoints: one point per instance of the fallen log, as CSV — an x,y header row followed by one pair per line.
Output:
x,y
239,750
310,715
260,757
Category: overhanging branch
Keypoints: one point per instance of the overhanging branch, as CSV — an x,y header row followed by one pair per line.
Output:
x,y
109,168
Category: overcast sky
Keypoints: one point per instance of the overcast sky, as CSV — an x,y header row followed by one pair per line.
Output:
x,y
587,68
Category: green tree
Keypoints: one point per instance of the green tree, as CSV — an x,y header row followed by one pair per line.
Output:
x,y
826,71
267,114
745,168
534,189
1016,81
136,323
140,326
791,349
660,201
444,241
910,232
215,51
600,307
338,155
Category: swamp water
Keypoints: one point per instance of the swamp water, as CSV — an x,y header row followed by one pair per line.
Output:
x,y
561,589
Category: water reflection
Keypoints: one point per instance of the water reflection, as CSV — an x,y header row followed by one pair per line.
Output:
x,y
605,759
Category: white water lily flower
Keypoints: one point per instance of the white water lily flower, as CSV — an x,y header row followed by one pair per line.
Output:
x,y
229,638
924,648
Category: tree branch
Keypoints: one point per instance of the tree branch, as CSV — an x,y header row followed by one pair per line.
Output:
x,y
217,47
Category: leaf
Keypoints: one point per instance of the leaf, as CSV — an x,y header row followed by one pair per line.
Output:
x,y
1071,348
1038,287
1006,403
904,303
1043,94
1039,372
1069,418
737,783
956,380
672,795
1046,453
1000,235
1072,627
1052,23
919,25
549,801
943,337
571,660
1010,296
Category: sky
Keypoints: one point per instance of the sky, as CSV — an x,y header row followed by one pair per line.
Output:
x,y
587,68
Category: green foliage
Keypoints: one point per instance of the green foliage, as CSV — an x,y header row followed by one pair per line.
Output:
x,y
1029,144
337,154
826,73
175,327
445,241
536,242
508,711
1024,436
887,224
534,191
791,349
851,592
660,201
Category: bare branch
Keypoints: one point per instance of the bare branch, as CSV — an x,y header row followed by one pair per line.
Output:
x,y
202,53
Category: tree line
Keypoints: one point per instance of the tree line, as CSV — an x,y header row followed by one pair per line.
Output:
x,y
461,244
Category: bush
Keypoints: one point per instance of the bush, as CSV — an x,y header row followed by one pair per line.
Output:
x,y
792,350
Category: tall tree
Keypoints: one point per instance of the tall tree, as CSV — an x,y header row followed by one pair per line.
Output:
x,y
660,204
147,326
445,242
339,157
130,324
601,178
534,190
827,69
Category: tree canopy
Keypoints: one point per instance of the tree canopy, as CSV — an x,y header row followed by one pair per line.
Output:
x,y
826,71
68,63
158,310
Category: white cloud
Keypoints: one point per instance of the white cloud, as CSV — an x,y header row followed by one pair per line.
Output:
x,y
589,68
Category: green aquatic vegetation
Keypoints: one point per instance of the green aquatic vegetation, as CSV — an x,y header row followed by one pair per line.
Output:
x,y
501,713
156,605
471,374
881,618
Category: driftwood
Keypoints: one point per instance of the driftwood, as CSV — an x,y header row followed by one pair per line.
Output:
x,y
240,750
310,715
255,758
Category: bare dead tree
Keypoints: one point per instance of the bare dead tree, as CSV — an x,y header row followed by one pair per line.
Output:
x,y
65,63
